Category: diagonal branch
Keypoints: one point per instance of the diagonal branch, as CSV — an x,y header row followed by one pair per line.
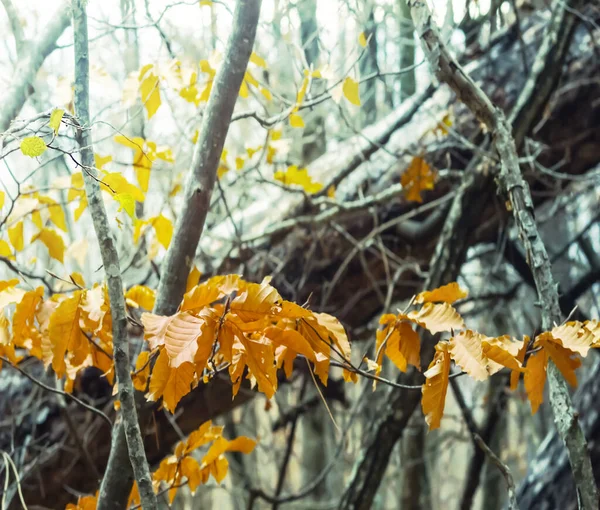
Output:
x,y
110,260
448,70
203,172
200,182
17,92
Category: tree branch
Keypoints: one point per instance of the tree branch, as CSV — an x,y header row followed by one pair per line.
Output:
x,y
203,172
448,70
110,260
18,89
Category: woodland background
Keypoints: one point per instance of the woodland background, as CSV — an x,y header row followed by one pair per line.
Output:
x,y
349,239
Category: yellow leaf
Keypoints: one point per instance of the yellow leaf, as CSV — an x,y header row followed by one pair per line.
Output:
x,y
116,182
299,177
436,386
351,91
535,378
266,93
33,146
10,296
78,279
437,317
331,192
416,178
362,39
142,371
259,61
57,215
24,317
100,161
141,296
164,230
159,376
296,121
2,197
54,243
55,118
447,294
150,91
127,203
467,352
65,333
7,284
5,249
191,470
244,92
193,279
15,234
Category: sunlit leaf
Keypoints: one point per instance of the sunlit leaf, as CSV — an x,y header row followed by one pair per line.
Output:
x,y
351,91
55,119
53,241
436,386
296,121
33,146
15,234
446,294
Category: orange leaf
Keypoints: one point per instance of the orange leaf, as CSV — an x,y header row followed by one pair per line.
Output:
x,y
416,178
467,352
142,371
256,301
404,347
447,294
436,386
181,337
563,359
514,376
65,333
535,378
178,385
573,336
437,317
501,352
141,296
24,317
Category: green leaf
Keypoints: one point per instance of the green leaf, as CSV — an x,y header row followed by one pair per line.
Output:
x,y
33,146
55,118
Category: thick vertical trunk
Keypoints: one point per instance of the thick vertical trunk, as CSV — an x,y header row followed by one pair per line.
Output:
x,y
314,140
368,65
408,82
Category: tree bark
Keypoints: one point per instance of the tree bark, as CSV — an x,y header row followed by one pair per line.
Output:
x,y
448,70
110,260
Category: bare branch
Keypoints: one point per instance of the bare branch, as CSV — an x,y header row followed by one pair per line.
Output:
x,y
448,70
110,260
